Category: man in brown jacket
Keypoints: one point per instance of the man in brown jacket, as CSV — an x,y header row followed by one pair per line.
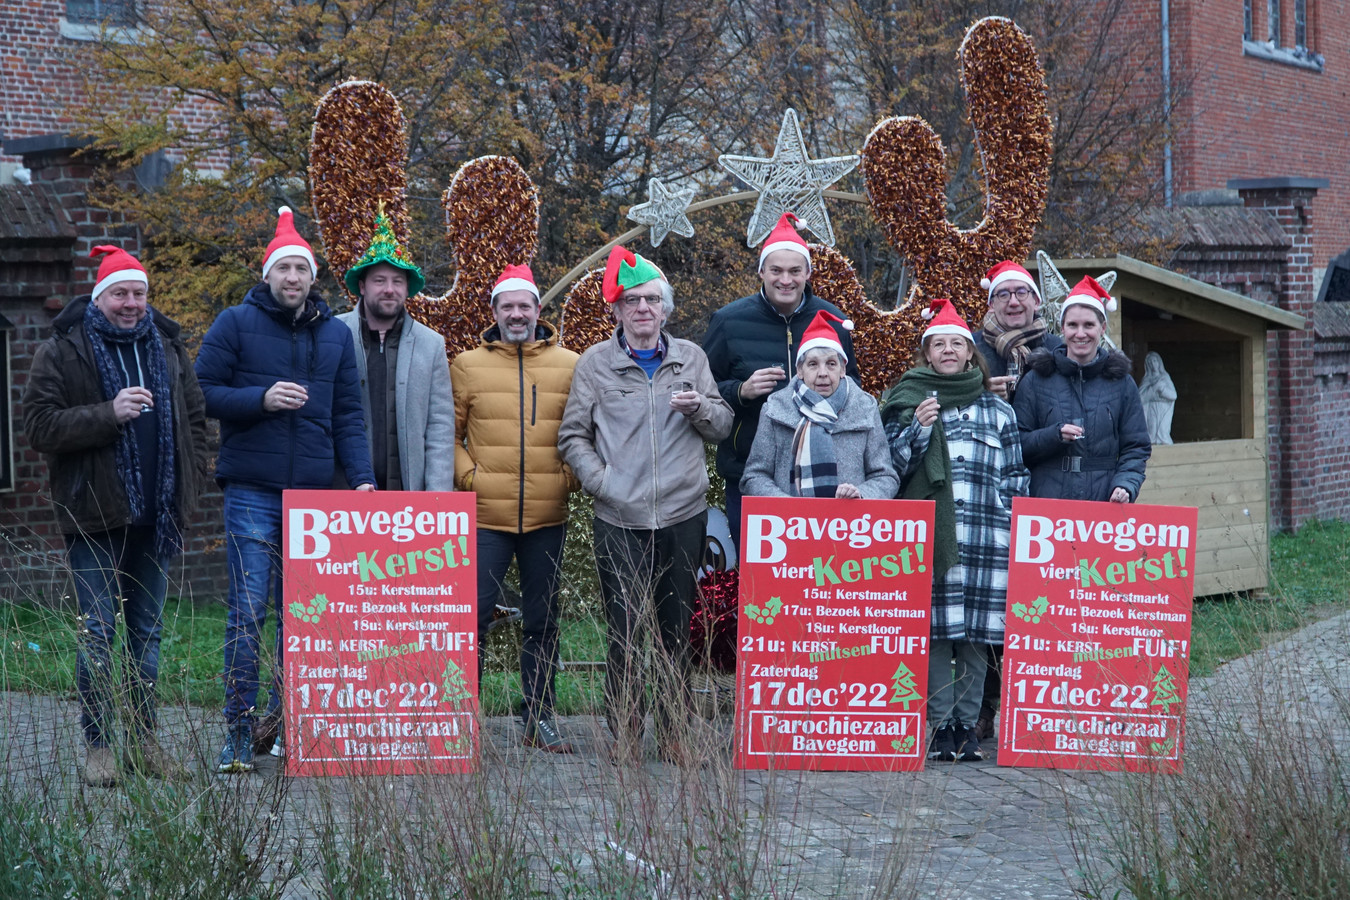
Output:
x,y
113,402
642,405
509,398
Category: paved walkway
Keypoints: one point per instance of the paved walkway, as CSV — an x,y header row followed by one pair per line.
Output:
x,y
953,831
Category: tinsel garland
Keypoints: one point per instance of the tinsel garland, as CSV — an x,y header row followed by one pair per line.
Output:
x,y
882,341
491,221
905,168
585,314
712,631
358,158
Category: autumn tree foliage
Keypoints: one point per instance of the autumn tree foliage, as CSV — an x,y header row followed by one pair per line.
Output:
x,y
593,98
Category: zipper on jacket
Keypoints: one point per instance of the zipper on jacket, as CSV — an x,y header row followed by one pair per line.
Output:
x,y
534,403
520,502
656,478
290,457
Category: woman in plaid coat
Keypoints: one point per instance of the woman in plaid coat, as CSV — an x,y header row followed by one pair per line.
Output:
x,y
971,467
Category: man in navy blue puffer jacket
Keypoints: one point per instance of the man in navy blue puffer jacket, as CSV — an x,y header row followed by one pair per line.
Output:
x,y
279,372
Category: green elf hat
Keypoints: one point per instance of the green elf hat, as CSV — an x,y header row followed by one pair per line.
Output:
x,y
624,270
385,248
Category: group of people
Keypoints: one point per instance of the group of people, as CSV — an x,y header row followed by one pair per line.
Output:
x,y
367,400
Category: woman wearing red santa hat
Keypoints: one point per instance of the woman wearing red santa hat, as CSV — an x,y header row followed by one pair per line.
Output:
x,y
1084,435
822,436
970,465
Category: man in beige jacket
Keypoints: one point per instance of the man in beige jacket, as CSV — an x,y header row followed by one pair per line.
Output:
x,y
642,405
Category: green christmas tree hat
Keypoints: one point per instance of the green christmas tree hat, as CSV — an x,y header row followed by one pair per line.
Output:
x,y
385,248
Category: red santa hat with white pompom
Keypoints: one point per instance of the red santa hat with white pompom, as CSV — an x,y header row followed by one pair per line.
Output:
x,y
288,242
944,320
821,334
785,237
1004,272
118,265
516,278
1088,293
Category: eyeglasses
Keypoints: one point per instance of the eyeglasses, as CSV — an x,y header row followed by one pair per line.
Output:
x,y
633,302
1005,295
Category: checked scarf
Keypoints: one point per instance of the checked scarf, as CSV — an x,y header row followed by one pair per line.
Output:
x,y
101,333
933,479
815,468
1013,344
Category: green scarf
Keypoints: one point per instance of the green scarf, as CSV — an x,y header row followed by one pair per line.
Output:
x,y
933,480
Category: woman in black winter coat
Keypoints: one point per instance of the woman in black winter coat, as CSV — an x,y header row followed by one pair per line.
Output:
x,y
1084,436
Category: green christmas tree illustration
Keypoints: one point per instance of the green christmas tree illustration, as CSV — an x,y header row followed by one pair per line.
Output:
x,y
905,690
1164,690
311,612
766,614
454,689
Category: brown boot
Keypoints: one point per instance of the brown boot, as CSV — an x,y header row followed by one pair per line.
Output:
x,y
150,760
100,767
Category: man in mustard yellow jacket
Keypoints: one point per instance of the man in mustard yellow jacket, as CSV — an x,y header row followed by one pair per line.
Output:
x,y
510,393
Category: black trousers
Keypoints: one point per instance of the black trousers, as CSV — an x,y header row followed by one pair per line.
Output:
x,y
647,580
539,555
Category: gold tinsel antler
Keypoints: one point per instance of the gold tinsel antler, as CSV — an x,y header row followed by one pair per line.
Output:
x,y
491,221
358,160
905,167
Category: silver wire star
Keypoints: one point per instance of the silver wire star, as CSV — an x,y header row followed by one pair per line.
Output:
x,y
664,211
789,181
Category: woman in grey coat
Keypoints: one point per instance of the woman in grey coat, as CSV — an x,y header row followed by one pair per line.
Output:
x,y
822,436
954,442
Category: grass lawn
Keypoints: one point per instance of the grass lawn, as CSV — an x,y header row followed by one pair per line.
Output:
x,y
1310,580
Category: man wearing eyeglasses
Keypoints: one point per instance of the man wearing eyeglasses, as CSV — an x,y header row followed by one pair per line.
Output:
x,y
641,407
1013,327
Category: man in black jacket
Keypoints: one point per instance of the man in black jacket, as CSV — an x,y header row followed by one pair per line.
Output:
x,y
113,402
752,343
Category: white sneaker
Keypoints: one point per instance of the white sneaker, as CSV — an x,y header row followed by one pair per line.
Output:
x,y
279,748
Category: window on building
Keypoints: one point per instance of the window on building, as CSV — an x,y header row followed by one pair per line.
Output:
x,y
1300,23
98,12
1276,46
1246,20
1273,21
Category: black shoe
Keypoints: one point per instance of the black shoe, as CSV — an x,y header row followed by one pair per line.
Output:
x,y
967,747
984,726
541,734
943,746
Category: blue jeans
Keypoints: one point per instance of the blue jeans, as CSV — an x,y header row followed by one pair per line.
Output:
x,y
253,549
539,555
117,572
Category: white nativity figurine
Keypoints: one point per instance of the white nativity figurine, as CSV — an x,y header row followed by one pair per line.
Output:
x,y
1159,396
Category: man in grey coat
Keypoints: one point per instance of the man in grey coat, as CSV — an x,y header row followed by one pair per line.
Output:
x,y
405,376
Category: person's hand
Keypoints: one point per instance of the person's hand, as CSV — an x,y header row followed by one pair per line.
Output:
x,y
285,395
761,382
927,411
686,402
1070,433
1120,495
847,492
1002,384
131,402
365,487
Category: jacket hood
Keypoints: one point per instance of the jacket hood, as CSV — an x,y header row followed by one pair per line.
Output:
x,y
1110,364
316,309
545,335
73,314
856,414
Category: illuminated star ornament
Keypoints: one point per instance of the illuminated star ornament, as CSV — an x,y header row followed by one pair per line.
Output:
x,y
789,181
664,211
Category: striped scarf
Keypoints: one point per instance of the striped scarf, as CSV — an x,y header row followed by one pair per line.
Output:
x,y
101,332
815,468
1013,344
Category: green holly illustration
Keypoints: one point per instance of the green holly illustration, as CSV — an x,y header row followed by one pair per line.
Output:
x,y
903,746
1164,690
458,745
906,692
1165,748
311,612
454,689
768,613
1031,613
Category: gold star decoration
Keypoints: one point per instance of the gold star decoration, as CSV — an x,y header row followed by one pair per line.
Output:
x,y
789,181
663,212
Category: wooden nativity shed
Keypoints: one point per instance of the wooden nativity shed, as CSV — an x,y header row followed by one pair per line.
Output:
x,y
1213,345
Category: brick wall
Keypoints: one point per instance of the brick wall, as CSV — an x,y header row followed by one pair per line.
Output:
x,y
1332,470
1240,115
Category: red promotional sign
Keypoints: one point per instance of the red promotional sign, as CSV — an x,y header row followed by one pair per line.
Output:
x,y
1097,646
380,645
832,662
